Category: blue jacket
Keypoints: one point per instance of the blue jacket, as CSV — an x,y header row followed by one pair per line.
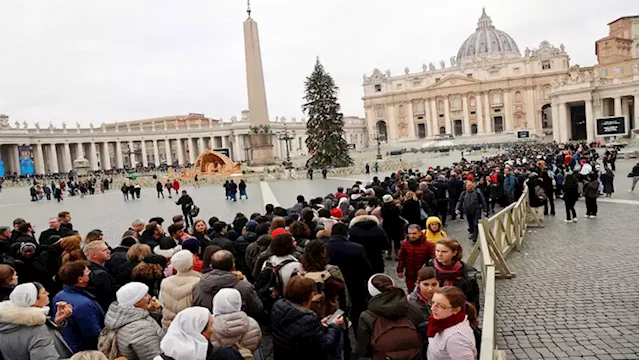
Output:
x,y
86,322
510,183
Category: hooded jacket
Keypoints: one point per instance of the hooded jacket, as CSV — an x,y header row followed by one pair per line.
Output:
x,y
366,231
84,325
241,244
413,255
254,250
176,294
236,328
25,333
137,334
434,236
214,280
391,304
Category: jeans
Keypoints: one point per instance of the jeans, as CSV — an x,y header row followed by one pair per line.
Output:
x,y
472,219
188,219
441,211
570,208
549,204
160,193
337,349
126,196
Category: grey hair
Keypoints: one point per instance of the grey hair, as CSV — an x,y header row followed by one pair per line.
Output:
x,y
415,227
442,178
138,222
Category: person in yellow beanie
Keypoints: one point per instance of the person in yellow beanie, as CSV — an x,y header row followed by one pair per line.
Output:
x,y
434,230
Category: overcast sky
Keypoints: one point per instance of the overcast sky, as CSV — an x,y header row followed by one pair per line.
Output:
x,y
94,61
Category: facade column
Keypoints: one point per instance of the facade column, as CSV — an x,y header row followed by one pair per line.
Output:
x,y
531,110
591,122
435,119
466,125
392,128
80,150
447,118
223,142
53,159
39,159
119,161
617,106
67,161
192,151
412,123
508,111
15,155
564,129
427,118
180,151
555,121
479,117
145,160
167,151
489,119
635,111
93,157
201,146
106,157
156,153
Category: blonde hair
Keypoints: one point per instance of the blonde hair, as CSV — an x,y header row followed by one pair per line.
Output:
x,y
137,252
89,355
410,195
93,246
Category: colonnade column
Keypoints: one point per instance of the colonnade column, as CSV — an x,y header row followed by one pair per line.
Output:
x,y
145,161
489,119
591,123
562,119
132,155
53,159
412,124
508,122
392,130
465,115
555,121
119,161
447,119
180,151
617,106
201,145
156,153
39,159
167,151
15,158
192,151
435,119
106,158
93,157
479,117
67,161
223,142
80,150
531,110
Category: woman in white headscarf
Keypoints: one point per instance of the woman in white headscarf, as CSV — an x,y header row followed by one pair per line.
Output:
x,y
25,330
188,338
231,325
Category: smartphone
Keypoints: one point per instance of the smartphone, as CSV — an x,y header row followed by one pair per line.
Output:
x,y
335,315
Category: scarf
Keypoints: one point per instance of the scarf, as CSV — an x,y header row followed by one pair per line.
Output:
x,y
449,273
438,325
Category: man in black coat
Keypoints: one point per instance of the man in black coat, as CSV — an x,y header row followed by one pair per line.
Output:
x,y
55,228
119,254
351,259
440,189
456,187
219,238
65,221
101,283
186,202
15,233
26,232
365,230
151,235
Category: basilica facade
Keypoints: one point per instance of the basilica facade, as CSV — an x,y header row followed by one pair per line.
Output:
x,y
491,87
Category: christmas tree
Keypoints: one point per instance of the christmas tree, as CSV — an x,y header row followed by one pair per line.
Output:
x,y
325,126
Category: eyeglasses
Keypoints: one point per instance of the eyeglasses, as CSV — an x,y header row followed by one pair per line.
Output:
x,y
440,306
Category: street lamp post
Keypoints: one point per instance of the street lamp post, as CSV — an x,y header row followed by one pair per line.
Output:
x,y
286,136
378,137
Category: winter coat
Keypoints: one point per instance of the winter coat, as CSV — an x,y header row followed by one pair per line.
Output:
x,y
84,325
236,328
138,335
45,235
413,255
411,212
5,291
534,201
366,231
147,238
440,190
176,293
257,267
391,222
203,239
570,188
417,298
591,189
392,304
298,333
102,285
214,280
467,283
240,245
118,257
224,243
434,236
607,182
456,187
471,202
351,259
510,183
254,250
26,333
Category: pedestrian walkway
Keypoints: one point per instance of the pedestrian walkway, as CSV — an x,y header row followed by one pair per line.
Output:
x,y
575,294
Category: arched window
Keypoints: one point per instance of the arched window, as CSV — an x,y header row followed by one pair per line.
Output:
x,y
443,130
474,128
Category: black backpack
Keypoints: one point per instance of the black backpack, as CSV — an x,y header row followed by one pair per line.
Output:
x,y
268,284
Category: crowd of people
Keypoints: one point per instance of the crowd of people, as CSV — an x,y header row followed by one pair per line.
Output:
x,y
306,276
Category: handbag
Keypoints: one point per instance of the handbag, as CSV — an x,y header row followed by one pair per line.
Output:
x,y
194,211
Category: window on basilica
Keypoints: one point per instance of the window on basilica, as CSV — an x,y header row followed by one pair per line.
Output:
x,y
546,65
455,104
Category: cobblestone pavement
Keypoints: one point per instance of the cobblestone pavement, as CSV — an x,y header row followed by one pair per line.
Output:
x,y
575,294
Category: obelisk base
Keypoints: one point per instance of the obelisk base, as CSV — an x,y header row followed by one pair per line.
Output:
x,y
261,149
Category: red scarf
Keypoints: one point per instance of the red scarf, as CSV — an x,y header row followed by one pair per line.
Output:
x,y
450,273
438,325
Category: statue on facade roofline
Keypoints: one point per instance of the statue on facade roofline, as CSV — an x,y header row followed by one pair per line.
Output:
x,y
561,47
388,73
527,52
64,125
424,67
442,64
78,125
432,67
453,61
37,126
25,125
406,70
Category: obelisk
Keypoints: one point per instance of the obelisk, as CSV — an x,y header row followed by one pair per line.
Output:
x,y
262,141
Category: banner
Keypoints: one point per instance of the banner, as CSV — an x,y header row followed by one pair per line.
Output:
x,y
223,151
611,126
26,163
1,167
523,134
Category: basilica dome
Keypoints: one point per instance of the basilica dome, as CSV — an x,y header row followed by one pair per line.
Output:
x,y
487,40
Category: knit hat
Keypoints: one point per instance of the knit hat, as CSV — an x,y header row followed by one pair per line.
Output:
x,y
192,244
373,291
157,220
156,259
387,199
131,293
278,231
128,241
227,301
182,260
24,295
470,177
251,225
336,213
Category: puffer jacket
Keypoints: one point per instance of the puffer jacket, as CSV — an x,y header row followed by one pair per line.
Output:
x,y
298,333
25,333
137,333
176,294
366,231
434,236
392,304
254,250
241,244
413,255
236,328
